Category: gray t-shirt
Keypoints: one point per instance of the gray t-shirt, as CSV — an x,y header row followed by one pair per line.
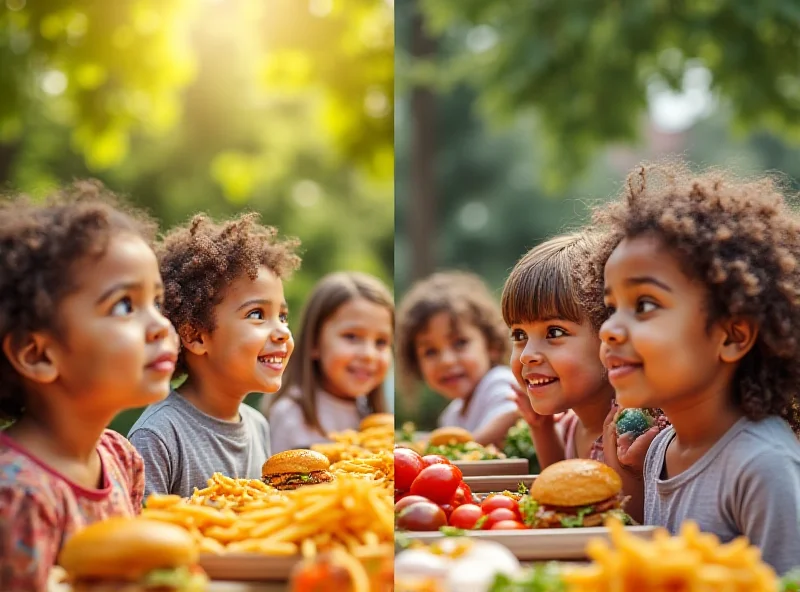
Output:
x,y
747,484
182,446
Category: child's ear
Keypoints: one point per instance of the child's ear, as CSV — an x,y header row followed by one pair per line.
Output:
x,y
193,341
32,357
740,336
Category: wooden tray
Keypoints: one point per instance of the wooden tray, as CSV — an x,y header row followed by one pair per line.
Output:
x,y
544,544
248,567
497,483
503,466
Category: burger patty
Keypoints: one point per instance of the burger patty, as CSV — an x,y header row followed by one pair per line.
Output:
x,y
594,515
284,481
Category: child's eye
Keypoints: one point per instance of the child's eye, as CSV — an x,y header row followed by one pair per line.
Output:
x,y
284,317
159,304
610,309
644,306
381,343
518,335
428,353
122,307
256,314
460,343
555,332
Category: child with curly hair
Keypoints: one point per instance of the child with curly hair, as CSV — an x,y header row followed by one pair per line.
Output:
x,y
344,352
224,295
83,338
701,280
451,335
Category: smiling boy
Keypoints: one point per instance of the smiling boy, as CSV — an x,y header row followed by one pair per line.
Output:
x,y
224,295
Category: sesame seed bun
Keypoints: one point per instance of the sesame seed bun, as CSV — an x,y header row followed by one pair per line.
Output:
x,y
576,482
376,420
449,435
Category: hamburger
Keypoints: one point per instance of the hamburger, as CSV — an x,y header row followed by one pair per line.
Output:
x,y
291,469
376,420
449,436
132,555
577,493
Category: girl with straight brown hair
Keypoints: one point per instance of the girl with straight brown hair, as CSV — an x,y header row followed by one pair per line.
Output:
x,y
335,377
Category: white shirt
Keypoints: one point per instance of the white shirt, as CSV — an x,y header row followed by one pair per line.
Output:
x,y
288,429
489,400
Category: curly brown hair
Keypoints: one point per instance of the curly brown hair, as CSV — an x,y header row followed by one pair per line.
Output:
x,y
200,259
41,243
466,298
545,283
741,240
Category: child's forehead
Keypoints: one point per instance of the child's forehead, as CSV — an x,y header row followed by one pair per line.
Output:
x,y
266,286
444,324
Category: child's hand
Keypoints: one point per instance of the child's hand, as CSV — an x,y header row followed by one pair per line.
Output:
x,y
533,419
623,453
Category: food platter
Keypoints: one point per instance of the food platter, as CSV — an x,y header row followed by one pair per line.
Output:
x,y
248,567
497,483
504,466
542,544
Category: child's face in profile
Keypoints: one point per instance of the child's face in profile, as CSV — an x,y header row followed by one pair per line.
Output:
x,y
117,350
453,356
556,360
251,343
355,348
656,344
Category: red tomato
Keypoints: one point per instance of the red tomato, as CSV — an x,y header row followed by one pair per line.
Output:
x,y
508,525
499,515
433,459
421,516
462,496
448,509
437,482
407,465
407,501
495,501
465,516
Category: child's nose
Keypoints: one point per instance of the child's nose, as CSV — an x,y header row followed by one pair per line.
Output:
x,y
530,355
160,328
612,332
281,334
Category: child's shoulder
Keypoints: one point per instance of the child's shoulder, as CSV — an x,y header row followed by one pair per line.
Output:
x,y
252,416
769,437
162,416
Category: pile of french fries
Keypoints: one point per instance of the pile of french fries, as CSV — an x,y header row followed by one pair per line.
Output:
x,y
377,467
690,561
352,444
245,516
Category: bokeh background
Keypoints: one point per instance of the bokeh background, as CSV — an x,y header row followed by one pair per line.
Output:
x,y
514,117
283,107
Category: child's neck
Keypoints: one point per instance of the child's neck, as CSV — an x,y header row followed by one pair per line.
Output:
x,y
63,437
593,412
701,421
211,398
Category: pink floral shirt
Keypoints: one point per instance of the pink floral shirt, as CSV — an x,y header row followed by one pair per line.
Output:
x,y
40,508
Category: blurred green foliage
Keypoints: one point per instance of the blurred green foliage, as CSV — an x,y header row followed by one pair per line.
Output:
x,y
282,107
519,155
585,66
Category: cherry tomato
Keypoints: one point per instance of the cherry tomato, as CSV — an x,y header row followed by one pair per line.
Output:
x,y
407,501
421,516
465,516
493,502
498,515
508,525
318,575
434,459
461,496
437,482
407,465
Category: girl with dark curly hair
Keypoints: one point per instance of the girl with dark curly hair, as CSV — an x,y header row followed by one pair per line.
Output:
x,y
83,338
700,277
